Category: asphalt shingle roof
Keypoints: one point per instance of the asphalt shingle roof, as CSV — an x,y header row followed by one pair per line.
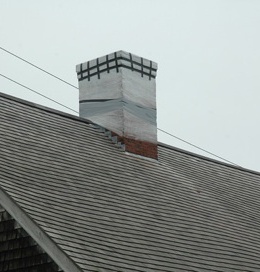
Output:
x,y
111,211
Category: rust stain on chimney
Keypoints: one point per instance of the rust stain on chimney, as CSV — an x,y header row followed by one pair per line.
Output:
x,y
141,148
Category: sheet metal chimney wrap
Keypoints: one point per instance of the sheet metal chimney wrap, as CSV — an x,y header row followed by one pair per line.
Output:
x,y
118,92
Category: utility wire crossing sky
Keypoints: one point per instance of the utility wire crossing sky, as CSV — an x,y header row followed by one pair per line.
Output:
x,y
64,81
208,55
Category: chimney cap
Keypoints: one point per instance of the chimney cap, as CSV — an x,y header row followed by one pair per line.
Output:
x,y
96,67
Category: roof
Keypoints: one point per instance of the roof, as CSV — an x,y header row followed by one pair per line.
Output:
x,y
19,252
93,207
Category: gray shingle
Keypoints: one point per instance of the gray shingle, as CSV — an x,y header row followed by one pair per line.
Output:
x,y
112,211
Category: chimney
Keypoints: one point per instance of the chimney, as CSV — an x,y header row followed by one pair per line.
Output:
x,y
118,92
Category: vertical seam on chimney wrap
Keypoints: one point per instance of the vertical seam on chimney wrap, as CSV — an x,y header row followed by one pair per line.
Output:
x,y
98,73
81,70
88,72
150,75
131,61
142,67
108,71
116,62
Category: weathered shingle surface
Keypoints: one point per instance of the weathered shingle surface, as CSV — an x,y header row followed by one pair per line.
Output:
x,y
110,211
18,251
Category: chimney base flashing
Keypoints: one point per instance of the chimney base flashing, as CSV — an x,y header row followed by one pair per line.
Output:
x,y
131,146
141,148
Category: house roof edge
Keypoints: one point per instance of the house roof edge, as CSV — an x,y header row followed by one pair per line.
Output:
x,y
37,233
180,150
44,108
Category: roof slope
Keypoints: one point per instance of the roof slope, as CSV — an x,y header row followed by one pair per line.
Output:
x,y
110,211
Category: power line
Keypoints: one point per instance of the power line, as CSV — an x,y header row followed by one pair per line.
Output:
x,y
32,90
39,68
64,81
38,93
197,147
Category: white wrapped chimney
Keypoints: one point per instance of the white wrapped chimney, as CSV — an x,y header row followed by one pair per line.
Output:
x,y
118,92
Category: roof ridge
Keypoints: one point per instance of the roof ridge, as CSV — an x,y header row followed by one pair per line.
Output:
x,y
44,108
180,150
80,119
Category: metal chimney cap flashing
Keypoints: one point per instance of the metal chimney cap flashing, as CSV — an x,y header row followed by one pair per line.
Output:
x,y
114,61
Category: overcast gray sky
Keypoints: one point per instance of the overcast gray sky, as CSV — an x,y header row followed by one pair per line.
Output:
x,y
208,53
